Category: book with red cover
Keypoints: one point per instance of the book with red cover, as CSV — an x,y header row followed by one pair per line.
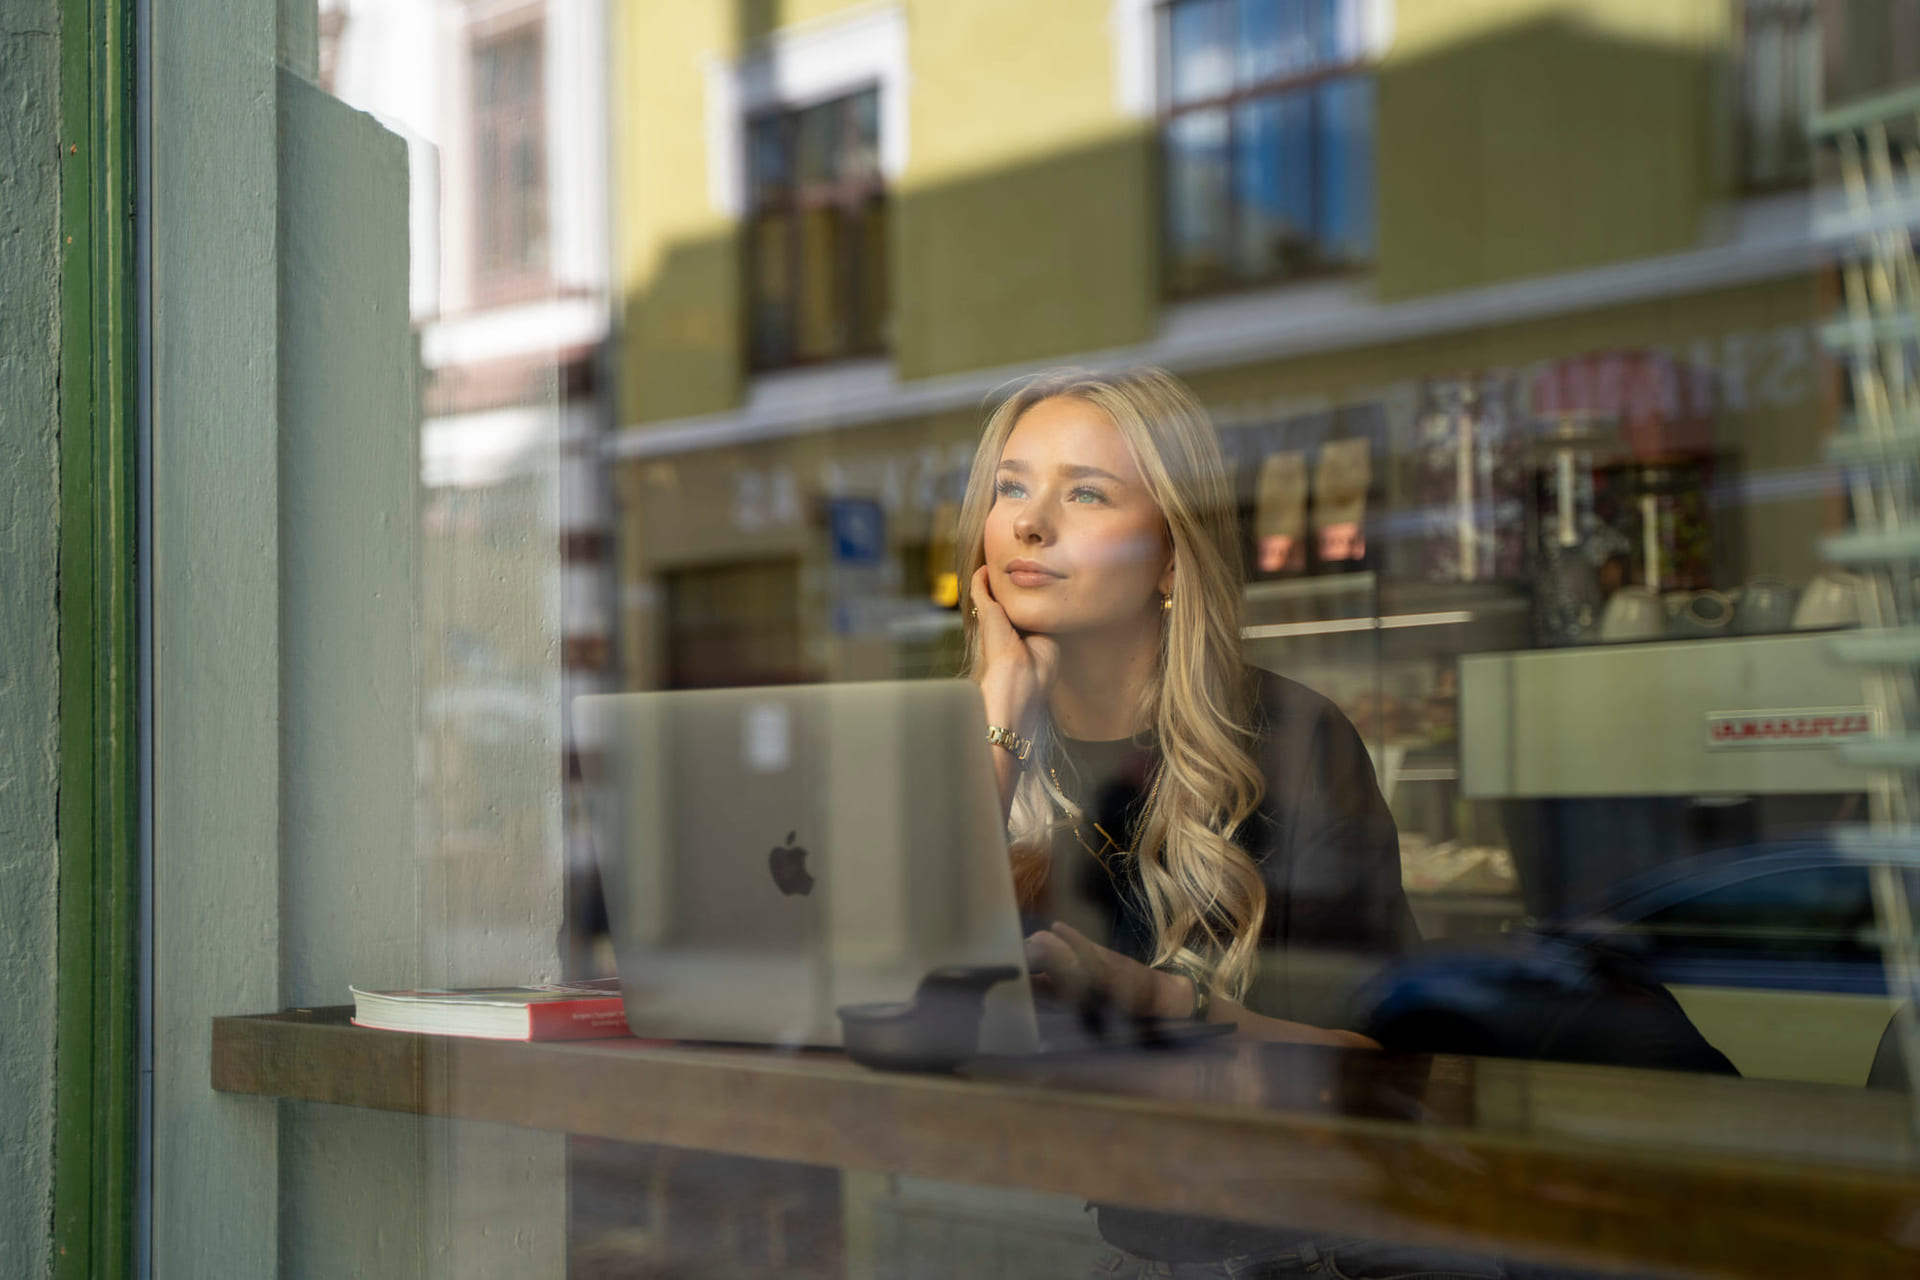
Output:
x,y
555,1011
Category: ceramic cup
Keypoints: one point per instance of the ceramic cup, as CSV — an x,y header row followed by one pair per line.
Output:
x,y
1705,613
1633,613
1765,606
1831,600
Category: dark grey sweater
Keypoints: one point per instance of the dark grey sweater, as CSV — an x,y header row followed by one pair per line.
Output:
x,y
1322,836
1327,847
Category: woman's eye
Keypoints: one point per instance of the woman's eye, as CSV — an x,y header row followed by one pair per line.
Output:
x,y
1008,489
1085,494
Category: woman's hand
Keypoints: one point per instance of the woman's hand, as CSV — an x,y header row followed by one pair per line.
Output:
x,y
1074,968
1016,671
1015,676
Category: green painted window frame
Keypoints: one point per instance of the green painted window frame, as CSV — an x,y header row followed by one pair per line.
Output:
x,y
96,1115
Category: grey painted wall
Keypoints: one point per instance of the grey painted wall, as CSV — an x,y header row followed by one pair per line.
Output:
x,y
29,661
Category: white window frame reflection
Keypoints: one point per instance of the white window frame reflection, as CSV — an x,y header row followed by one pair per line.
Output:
x,y
796,66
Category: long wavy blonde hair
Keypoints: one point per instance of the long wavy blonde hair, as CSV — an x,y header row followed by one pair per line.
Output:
x,y
1203,892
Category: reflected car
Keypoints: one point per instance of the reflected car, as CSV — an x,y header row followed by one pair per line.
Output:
x,y
1765,959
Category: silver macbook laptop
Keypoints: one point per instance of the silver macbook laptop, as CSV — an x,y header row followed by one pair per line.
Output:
x,y
769,855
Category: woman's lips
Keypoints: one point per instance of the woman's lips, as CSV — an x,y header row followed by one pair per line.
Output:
x,y
1025,573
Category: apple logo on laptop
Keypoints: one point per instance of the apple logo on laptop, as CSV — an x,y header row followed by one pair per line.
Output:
x,y
789,866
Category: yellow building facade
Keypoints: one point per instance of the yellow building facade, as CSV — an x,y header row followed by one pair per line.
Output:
x,y
1555,192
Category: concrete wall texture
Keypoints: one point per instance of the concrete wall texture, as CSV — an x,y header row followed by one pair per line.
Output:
x,y
29,632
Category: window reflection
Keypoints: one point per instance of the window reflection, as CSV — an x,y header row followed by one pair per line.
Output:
x,y
1297,130
1562,373
816,256
510,122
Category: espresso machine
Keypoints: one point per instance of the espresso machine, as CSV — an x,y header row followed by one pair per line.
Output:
x,y
1609,760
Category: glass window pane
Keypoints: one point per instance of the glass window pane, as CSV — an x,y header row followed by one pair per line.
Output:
x,y
489,178
1274,186
823,163
486,75
768,158
529,247
1344,144
1779,54
1196,194
518,77
819,143
770,289
701,449
1272,38
1259,45
862,156
1340,30
822,330
867,244
510,159
1200,54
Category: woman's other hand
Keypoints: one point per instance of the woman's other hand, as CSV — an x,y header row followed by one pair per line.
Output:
x,y
1074,968
1078,970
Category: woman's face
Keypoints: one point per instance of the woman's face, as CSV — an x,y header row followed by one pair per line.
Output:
x,y
1073,541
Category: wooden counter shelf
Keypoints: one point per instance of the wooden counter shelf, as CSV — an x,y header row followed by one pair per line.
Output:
x,y
1591,1165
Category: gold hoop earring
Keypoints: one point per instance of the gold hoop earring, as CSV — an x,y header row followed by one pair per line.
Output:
x,y
1166,603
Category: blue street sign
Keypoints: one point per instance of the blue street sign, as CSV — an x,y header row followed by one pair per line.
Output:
x,y
859,531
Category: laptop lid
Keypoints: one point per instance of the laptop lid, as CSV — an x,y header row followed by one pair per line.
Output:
x,y
770,854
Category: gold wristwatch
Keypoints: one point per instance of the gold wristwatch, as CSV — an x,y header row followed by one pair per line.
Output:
x,y
1011,741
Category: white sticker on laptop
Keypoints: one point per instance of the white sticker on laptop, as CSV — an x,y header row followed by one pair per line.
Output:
x,y
767,737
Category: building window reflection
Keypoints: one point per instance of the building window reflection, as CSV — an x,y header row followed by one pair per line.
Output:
x,y
816,232
1267,140
510,162
1779,89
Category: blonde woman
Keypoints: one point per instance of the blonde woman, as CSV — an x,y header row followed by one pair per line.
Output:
x,y
1200,819
1203,816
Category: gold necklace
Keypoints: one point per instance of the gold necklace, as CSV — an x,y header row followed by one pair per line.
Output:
x,y
1099,854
